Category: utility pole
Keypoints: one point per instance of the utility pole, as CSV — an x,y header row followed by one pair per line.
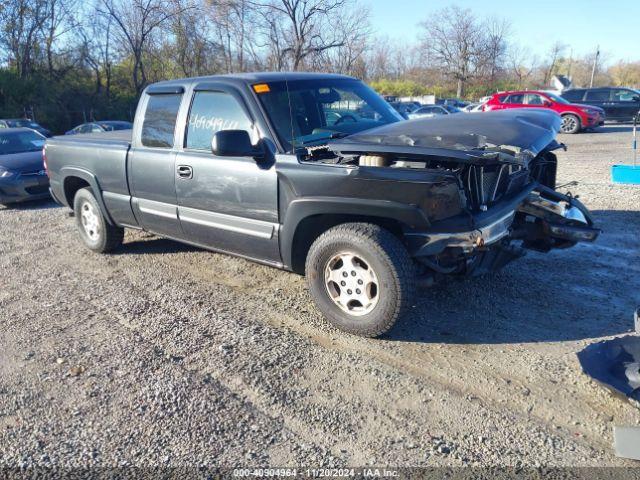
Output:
x,y
570,64
595,64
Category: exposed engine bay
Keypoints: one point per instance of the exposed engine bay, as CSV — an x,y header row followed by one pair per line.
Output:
x,y
506,193
483,183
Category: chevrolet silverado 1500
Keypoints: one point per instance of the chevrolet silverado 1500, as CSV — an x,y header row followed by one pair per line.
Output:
x,y
317,174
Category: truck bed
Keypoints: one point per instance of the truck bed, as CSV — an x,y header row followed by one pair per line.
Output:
x,y
118,137
98,158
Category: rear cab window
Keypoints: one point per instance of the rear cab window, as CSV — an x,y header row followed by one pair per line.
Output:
x,y
159,124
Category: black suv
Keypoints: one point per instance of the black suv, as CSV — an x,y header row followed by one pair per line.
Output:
x,y
621,104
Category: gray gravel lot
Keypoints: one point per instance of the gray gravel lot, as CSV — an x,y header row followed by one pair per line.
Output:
x,y
163,354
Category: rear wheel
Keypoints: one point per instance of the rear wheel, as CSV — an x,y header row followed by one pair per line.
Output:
x,y
361,278
570,123
95,231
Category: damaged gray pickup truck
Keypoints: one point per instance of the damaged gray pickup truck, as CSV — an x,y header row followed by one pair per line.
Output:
x,y
317,174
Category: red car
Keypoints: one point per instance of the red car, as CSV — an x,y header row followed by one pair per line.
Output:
x,y
575,117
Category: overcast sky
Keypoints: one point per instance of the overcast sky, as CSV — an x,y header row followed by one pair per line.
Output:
x,y
537,24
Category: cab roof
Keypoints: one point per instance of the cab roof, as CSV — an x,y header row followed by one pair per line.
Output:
x,y
255,77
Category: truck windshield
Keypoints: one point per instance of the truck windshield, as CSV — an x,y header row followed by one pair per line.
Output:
x,y
307,112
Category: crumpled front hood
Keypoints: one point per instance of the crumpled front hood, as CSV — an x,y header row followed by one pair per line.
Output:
x,y
526,132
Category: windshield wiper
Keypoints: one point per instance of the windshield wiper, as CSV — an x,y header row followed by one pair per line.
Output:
x,y
333,136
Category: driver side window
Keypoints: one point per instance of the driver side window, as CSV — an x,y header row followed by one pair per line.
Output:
x,y
213,112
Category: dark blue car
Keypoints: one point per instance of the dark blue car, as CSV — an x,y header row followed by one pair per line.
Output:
x,y
24,123
22,172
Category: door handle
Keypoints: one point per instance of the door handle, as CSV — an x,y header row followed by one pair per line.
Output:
x,y
185,171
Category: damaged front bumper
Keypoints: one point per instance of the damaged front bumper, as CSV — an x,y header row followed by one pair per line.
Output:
x,y
539,217
468,232
549,219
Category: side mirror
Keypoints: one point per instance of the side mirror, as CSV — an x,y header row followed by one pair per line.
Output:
x,y
636,99
234,143
547,103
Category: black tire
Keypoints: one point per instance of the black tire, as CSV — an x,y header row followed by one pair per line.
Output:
x,y
101,236
379,250
570,124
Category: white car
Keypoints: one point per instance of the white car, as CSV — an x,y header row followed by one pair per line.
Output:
x,y
473,108
428,111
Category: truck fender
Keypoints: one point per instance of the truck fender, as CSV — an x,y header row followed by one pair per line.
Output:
x,y
303,208
90,178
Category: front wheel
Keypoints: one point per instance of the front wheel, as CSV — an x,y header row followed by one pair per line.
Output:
x,y
361,278
95,231
570,124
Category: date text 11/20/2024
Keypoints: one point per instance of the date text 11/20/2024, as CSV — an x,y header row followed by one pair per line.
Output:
x,y
371,472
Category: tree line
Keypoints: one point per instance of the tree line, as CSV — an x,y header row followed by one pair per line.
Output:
x,y
63,62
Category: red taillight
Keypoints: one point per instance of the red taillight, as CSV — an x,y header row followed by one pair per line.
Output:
x,y
44,159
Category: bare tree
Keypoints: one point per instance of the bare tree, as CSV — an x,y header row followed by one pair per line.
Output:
x,y
354,27
494,46
59,21
522,63
21,23
191,46
236,27
136,22
455,40
96,49
626,74
556,51
378,58
306,27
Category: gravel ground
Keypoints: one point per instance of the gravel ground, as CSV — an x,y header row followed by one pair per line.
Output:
x,y
163,354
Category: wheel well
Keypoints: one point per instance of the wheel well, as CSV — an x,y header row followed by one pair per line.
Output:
x,y
71,187
312,227
573,114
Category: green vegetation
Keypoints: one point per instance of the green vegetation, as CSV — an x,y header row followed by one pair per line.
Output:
x,y
62,102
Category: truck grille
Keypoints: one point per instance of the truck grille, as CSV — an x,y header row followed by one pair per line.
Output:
x,y
486,185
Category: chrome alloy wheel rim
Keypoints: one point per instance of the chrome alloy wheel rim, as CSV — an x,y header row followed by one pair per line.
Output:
x,y
351,284
90,221
568,124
